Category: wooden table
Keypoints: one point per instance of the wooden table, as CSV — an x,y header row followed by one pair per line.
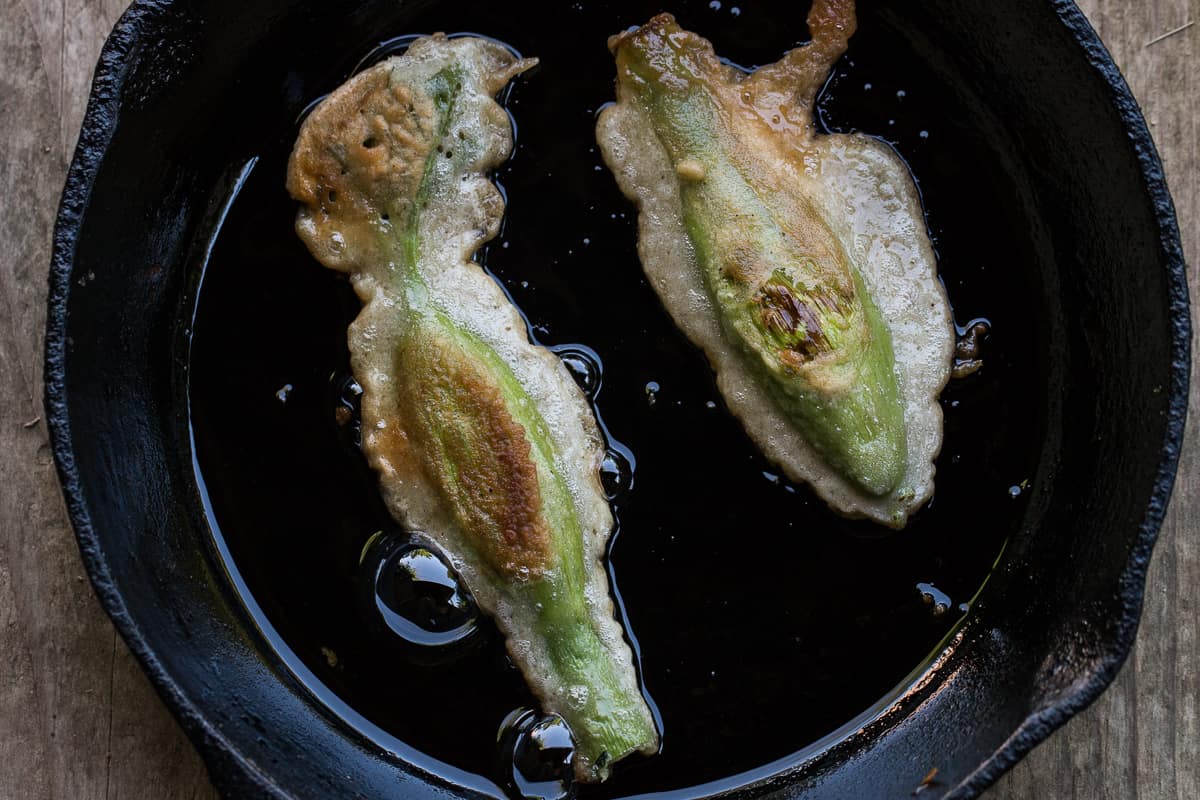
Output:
x,y
77,718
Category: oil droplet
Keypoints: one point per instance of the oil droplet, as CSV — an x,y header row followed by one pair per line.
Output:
x,y
584,366
652,390
415,595
536,756
616,471
938,601
346,397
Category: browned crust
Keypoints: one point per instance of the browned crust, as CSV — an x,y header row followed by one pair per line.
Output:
x,y
475,452
783,314
356,161
794,81
360,156
780,94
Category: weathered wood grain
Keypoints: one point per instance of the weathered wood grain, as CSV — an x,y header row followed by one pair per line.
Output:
x,y
79,721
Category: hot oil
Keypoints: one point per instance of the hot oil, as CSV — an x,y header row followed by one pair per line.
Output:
x,y
764,621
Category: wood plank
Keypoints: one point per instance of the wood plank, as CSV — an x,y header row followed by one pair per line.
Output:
x,y
57,642
78,720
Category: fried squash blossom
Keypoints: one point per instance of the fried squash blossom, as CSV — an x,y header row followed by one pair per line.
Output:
x,y
798,262
481,440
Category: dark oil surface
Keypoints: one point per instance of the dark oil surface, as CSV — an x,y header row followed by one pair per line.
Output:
x,y
765,622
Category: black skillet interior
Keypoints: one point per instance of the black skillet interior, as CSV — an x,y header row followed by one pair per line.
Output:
x,y
1042,158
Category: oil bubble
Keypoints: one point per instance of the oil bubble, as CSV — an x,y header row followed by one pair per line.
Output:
x,y
415,596
584,366
938,601
616,471
536,756
652,390
346,398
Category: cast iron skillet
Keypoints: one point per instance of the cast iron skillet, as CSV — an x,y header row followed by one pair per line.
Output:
x,y
176,83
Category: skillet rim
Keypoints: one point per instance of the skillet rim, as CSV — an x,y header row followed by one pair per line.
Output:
x,y
1037,727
